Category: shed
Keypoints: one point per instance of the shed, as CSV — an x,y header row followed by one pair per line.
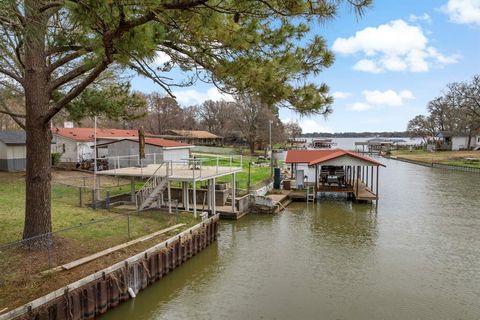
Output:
x,y
76,144
13,151
156,149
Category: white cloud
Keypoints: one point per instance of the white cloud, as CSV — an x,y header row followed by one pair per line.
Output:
x,y
366,65
387,98
424,17
359,106
193,97
395,46
161,58
463,11
309,125
341,95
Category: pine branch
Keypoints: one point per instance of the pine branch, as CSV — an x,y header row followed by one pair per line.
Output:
x,y
69,76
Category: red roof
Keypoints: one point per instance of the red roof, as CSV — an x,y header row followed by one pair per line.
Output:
x,y
159,142
86,134
313,157
164,143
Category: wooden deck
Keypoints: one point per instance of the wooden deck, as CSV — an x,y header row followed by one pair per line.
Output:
x,y
364,193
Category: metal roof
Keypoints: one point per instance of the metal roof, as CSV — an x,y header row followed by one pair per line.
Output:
x,y
13,137
314,157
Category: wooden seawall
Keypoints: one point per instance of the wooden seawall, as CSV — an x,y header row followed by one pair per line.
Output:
x,y
94,295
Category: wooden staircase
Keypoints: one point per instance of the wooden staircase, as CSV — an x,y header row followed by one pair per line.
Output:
x,y
152,190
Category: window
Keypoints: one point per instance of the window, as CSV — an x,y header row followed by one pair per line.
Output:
x,y
478,139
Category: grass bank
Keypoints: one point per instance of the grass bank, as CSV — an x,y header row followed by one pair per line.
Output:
x,y
453,158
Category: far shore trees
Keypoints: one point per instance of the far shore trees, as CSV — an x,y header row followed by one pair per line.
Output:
x,y
456,111
51,51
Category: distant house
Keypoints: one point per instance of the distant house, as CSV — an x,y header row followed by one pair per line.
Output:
x,y
76,144
13,154
125,152
455,141
196,137
460,141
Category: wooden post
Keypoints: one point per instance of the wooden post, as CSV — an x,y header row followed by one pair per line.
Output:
x,y
291,171
371,179
315,189
358,177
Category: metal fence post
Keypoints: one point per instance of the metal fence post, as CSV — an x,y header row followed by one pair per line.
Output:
x,y
94,205
80,196
49,243
107,201
128,225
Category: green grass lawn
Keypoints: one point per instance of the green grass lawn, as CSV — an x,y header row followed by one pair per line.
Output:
x,y
67,213
259,171
454,158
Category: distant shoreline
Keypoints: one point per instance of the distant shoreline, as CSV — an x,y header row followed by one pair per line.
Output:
x,y
395,134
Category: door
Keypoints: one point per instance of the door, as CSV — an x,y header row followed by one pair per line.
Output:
x,y
299,179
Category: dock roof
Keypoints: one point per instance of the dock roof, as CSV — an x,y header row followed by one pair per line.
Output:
x,y
314,157
87,134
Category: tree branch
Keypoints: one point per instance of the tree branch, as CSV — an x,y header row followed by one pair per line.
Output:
x,y
66,59
69,76
11,75
75,91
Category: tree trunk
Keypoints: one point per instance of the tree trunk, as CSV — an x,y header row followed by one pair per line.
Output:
x,y
38,171
251,144
469,144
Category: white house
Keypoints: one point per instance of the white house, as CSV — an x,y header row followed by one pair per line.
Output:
x,y
76,144
126,151
13,153
460,141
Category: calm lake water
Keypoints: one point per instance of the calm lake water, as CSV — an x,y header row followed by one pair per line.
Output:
x,y
416,257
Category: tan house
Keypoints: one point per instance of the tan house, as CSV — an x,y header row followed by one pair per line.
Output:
x,y
196,137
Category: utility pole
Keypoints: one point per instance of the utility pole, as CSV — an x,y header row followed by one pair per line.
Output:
x,y
271,147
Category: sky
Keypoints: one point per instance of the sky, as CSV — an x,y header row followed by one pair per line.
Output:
x,y
389,64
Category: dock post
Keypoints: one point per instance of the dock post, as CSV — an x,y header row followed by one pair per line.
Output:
x,y
209,195
233,192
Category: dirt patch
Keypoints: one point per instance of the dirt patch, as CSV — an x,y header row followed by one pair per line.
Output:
x,y
84,179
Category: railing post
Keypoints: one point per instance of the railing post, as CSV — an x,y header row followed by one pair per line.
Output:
x,y
217,165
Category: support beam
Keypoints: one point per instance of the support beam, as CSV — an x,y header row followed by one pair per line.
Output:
x,y
234,187
194,198
209,195
169,195
132,189
315,189
214,205
376,192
